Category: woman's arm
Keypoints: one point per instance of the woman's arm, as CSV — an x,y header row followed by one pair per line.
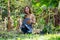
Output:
x,y
33,19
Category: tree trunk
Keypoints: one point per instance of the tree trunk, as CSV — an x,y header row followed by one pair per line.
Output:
x,y
9,23
0,14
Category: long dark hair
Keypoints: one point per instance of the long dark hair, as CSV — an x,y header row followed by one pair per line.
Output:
x,y
29,10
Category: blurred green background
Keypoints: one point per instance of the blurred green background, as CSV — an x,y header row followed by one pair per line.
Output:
x,y
44,11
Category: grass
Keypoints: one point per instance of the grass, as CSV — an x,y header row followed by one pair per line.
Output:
x,y
17,36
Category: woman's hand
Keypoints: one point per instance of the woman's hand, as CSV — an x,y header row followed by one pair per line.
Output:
x,y
28,22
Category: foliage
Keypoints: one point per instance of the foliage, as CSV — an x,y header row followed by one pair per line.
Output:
x,y
37,7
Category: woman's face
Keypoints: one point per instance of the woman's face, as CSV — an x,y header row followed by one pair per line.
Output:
x,y
27,10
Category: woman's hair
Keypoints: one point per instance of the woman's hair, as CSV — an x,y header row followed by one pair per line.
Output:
x,y
29,10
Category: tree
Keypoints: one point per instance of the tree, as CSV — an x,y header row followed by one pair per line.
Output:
x,y
9,24
0,13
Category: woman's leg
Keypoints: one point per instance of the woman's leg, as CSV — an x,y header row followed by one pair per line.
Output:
x,y
30,30
24,30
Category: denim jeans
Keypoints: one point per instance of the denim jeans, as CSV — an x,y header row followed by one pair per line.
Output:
x,y
26,28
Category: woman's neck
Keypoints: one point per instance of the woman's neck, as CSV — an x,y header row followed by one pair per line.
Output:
x,y
28,13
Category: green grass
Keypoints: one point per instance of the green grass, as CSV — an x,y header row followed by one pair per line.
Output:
x,y
31,37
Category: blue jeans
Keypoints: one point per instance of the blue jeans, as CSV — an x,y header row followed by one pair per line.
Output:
x,y
26,28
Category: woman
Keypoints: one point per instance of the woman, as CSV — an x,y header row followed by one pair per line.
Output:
x,y
29,19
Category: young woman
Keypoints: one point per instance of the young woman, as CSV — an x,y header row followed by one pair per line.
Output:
x,y
29,19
